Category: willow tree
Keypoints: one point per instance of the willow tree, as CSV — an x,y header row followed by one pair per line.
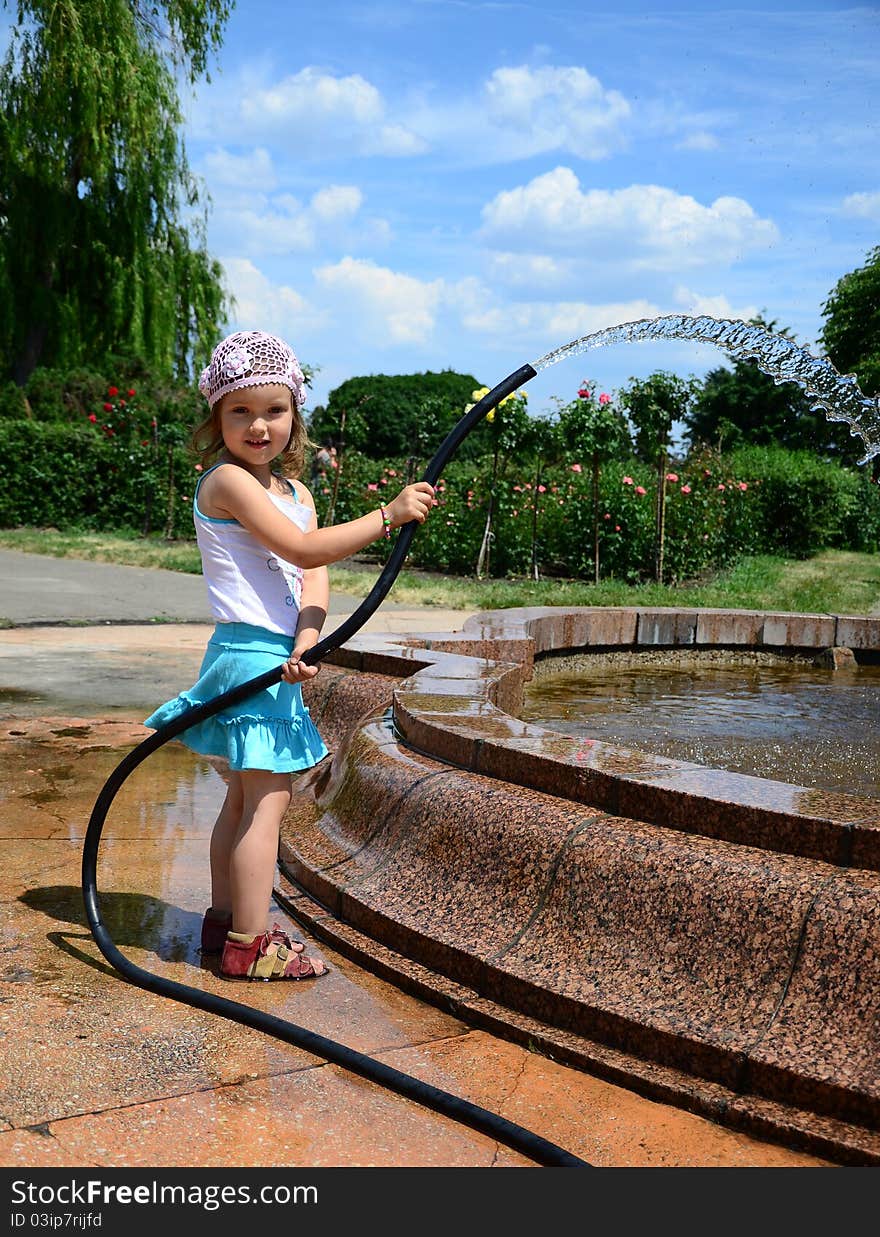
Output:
x,y
102,229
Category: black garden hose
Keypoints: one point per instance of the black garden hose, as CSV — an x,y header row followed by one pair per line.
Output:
x,y
528,1143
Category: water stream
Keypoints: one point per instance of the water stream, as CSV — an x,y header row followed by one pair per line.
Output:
x,y
838,395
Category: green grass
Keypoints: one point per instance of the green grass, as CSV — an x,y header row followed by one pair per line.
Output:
x,y
835,581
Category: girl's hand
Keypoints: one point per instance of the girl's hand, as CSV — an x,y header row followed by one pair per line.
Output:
x,y
296,671
412,503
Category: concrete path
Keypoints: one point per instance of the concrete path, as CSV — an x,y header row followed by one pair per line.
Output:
x,y
97,1073
38,589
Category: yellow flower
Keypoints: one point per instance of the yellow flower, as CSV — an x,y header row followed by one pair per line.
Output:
x,y
490,416
476,396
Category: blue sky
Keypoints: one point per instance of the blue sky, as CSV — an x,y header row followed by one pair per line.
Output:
x,y
430,184
425,184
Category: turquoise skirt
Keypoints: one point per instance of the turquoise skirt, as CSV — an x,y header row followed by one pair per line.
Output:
x,y
270,730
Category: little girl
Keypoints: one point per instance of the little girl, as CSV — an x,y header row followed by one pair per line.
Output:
x,y
264,560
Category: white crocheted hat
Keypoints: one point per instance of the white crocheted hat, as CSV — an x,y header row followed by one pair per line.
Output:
x,y
251,359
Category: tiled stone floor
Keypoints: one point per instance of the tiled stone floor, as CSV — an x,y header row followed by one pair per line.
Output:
x,y
96,1071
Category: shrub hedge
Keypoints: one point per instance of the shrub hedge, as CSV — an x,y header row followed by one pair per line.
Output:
x,y
129,474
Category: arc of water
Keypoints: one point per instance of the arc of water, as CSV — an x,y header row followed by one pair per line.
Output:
x,y
837,395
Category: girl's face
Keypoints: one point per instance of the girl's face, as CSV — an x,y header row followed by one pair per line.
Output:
x,y
256,423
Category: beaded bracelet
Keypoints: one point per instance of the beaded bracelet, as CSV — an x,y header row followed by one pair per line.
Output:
x,y
386,523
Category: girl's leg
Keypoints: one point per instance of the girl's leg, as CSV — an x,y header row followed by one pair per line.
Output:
x,y
254,851
223,838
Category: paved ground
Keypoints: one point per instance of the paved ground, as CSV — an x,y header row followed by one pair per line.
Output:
x,y
97,1072
35,589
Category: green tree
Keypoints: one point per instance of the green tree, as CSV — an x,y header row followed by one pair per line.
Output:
x,y
741,405
597,432
511,435
654,404
384,414
95,255
851,334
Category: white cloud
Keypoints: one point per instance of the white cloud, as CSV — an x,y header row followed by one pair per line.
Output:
x,y
643,225
863,205
263,305
260,223
260,228
699,141
336,202
556,323
556,108
328,115
255,167
712,306
390,307
532,270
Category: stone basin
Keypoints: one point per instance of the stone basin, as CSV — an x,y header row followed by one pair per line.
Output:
x,y
706,938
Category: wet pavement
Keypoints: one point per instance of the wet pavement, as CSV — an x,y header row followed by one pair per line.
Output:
x,y
95,1071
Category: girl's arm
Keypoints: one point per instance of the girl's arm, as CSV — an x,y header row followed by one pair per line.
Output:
x,y
312,609
236,494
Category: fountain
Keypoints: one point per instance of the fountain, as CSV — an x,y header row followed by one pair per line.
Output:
x,y
705,937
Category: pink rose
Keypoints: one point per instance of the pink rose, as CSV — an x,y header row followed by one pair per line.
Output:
x,y
627,480
371,485
672,476
722,487
685,489
576,468
743,485
640,489
604,398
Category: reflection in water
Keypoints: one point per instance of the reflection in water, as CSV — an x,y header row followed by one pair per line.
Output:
x,y
793,722
160,823
172,800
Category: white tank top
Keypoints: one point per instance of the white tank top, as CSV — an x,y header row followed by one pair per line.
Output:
x,y
246,582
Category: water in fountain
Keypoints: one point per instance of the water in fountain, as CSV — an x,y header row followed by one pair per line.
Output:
x,y
838,395
765,716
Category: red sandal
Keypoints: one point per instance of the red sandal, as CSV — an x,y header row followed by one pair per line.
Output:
x,y
266,957
216,924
